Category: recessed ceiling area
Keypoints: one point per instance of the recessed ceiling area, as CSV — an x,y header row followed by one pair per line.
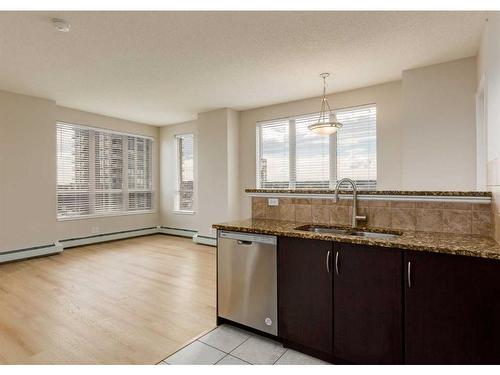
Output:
x,y
161,68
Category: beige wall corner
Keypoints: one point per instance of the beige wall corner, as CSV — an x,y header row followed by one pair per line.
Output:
x,y
233,171
489,71
217,172
27,170
438,127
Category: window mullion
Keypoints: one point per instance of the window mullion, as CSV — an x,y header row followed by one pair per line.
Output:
x,y
179,173
259,157
92,166
184,179
292,147
332,149
125,173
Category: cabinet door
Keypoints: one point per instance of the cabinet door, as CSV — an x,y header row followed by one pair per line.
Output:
x,y
305,295
452,309
367,304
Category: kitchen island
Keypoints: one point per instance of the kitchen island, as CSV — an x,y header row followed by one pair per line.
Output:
x,y
408,298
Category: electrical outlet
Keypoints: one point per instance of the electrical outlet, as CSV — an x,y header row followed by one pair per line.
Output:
x,y
272,201
95,230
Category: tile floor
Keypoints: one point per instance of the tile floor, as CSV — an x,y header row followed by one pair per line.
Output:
x,y
228,345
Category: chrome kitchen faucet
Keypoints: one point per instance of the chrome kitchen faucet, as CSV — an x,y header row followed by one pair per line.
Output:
x,y
355,216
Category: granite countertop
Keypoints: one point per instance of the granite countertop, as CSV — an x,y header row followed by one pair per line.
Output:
x,y
446,243
375,192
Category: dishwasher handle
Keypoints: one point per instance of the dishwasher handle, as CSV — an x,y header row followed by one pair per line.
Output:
x,y
244,242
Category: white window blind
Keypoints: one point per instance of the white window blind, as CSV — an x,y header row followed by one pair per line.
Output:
x,y
139,173
93,168
357,146
312,165
108,173
185,172
73,171
291,156
274,154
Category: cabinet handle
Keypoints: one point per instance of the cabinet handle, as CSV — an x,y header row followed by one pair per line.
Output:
x,y
409,274
328,261
337,262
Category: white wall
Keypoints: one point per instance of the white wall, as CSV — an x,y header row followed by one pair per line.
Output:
x,y
168,217
490,67
233,165
28,173
489,72
386,96
438,127
218,179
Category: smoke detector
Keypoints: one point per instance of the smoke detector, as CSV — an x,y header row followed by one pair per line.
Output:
x,y
61,25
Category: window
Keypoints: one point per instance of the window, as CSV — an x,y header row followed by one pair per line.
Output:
x,y
101,172
185,172
291,156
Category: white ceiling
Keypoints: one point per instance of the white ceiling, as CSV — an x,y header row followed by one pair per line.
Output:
x,y
165,67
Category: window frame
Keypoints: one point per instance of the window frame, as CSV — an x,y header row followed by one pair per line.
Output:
x,y
292,154
92,178
178,167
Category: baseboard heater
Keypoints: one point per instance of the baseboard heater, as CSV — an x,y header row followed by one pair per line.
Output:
x,y
72,242
59,246
202,240
30,252
177,232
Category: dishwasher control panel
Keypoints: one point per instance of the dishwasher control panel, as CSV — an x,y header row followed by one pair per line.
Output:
x,y
259,238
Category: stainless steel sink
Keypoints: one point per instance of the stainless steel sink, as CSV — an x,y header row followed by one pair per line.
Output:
x,y
348,232
316,229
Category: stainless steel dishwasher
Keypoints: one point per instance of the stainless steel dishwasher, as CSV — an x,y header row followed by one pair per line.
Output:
x,y
247,280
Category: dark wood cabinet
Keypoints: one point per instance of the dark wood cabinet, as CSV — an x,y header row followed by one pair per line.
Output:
x,y
305,295
452,309
367,304
374,305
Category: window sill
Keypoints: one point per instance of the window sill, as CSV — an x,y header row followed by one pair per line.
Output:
x,y
144,212
182,212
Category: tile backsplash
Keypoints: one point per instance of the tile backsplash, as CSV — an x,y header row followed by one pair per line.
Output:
x,y
460,218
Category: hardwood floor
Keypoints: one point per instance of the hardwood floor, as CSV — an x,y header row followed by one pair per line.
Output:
x,y
133,301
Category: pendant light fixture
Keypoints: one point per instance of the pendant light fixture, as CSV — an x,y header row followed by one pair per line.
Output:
x,y
327,122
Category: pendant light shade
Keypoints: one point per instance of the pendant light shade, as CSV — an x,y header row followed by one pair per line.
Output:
x,y
327,122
